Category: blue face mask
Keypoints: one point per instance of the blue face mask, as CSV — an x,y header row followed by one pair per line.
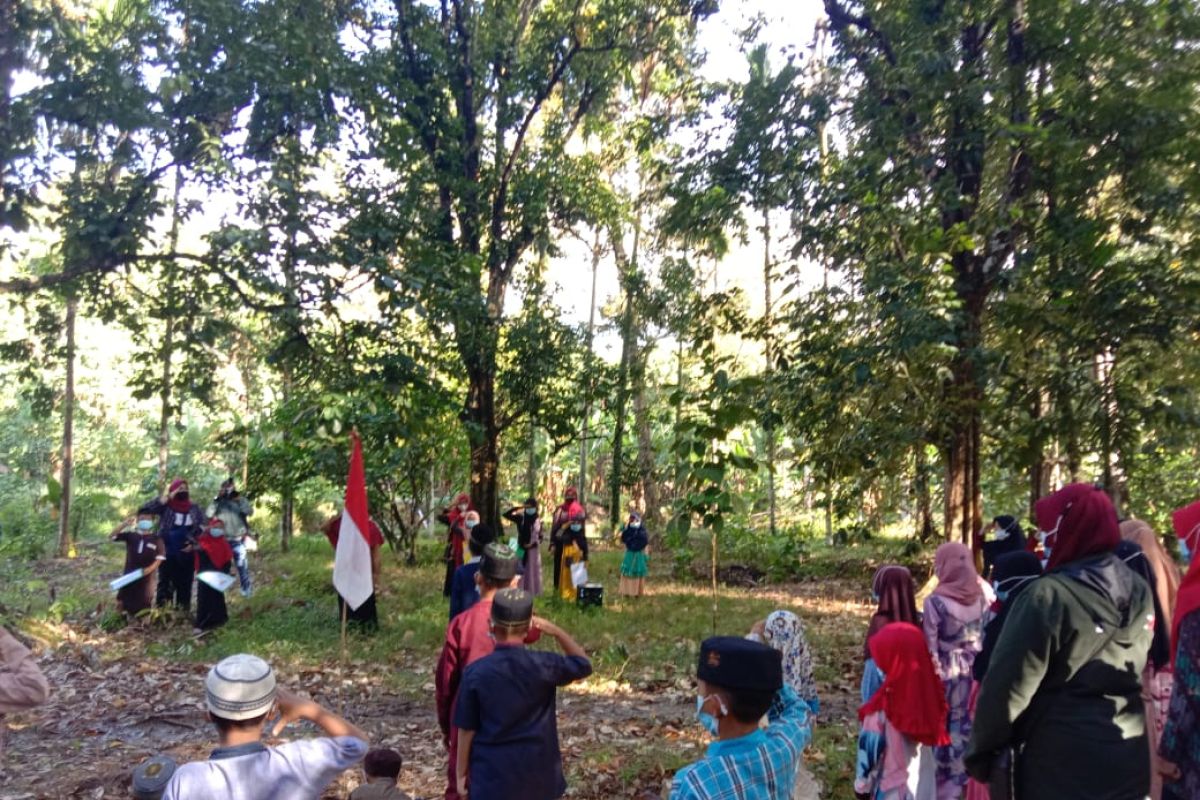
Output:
x,y
1001,595
145,525
530,511
471,524
575,526
874,598
707,720
1185,552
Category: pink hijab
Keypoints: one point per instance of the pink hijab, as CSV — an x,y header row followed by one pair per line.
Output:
x,y
957,579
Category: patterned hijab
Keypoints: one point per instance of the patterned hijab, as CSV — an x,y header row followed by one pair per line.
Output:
x,y
785,632
897,598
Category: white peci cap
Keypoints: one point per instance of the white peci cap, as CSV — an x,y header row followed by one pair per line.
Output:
x,y
240,687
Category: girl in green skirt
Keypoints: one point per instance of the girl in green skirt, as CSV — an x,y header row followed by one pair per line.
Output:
x,y
633,566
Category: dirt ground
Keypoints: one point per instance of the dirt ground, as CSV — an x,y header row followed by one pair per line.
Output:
x,y
114,706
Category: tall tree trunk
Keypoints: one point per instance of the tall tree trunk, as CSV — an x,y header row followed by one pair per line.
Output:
x,y
620,404
924,501
167,351
646,459
587,401
963,513
769,347
68,438
531,467
483,437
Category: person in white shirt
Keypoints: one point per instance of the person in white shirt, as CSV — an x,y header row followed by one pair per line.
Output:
x,y
241,694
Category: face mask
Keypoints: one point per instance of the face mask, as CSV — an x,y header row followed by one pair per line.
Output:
x,y
707,720
1185,552
217,533
575,526
874,598
529,512
471,524
1007,586
182,496
145,525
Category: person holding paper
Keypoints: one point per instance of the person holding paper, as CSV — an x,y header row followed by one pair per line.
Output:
x,y
213,555
144,553
180,522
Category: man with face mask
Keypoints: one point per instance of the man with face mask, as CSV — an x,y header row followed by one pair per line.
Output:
x,y
180,523
738,681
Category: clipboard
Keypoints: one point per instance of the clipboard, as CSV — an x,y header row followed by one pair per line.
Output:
x,y
217,580
127,579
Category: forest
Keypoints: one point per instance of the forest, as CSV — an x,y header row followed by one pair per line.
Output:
x,y
865,277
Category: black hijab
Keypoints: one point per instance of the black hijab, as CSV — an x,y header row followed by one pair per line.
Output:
x,y
1012,574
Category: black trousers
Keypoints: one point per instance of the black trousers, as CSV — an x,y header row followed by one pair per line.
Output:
x,y
175,578
365,617
557,546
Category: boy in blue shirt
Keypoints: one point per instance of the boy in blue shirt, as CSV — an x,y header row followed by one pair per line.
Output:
x,y
463,591
506,708
738,682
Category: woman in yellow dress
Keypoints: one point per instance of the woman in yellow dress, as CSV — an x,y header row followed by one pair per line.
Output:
x,y
575,548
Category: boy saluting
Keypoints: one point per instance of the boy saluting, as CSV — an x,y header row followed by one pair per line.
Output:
x,y
506,708
739,681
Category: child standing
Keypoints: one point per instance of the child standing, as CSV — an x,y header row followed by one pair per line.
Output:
x,y
633,566
463,592
382,770
738,681
144,550
213,555
240,693
902,721
506,708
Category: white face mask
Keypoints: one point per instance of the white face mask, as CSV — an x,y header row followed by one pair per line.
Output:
x,y
462,507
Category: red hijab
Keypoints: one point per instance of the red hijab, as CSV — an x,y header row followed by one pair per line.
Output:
x,y
1080,521
893,585
912,696
455,516
954,566
1186,521
217,547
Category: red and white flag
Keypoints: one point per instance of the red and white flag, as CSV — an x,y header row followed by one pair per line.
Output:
x,y
352,561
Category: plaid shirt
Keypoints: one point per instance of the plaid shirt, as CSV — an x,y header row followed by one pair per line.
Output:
x,y
759,766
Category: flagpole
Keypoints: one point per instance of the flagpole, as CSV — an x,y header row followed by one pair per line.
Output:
x,y
345,660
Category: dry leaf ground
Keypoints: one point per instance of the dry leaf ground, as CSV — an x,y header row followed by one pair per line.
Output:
x,y
122,695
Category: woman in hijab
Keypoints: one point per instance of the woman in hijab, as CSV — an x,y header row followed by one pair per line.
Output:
x,y
1063,686
213,555
1180,746
454,518
902,720
1011,574
529,536
953,622
574,549
893,590
784,631
1156,687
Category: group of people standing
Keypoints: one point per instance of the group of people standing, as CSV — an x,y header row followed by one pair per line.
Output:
x,y
467,535
172,539
1045,677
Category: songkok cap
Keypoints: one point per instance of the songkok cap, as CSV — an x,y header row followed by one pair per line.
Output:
x,y
240,687
512,608
499,562
150,778
735,663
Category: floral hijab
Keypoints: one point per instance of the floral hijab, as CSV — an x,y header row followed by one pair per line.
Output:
x,y
785,632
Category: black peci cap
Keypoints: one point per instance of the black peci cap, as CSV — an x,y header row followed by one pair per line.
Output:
x,y
735,663
512,608
499,562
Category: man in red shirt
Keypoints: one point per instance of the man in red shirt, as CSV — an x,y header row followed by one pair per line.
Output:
x,y
467,641
365,615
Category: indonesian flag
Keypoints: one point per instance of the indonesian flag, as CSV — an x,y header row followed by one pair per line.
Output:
x,y
352,562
